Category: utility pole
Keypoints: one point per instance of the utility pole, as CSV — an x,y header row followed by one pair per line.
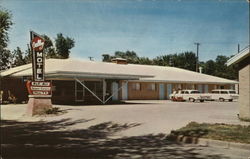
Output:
x,y
197,57
238,48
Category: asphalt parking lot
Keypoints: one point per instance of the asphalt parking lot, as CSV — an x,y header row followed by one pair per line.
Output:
x,y
151,117
133,130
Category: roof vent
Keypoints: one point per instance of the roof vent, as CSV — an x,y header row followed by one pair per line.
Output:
x,y
119,61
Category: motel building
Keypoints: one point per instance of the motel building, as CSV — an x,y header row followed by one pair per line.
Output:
x,y
83,82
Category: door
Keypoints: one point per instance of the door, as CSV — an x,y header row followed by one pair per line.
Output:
x,y
79,92
124,91
161,91
206,89
200,88
169,88
114,88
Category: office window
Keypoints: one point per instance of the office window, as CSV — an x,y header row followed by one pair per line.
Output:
x,y
136,86
151,87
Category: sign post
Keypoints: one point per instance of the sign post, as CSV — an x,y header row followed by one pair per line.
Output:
x,y
39,89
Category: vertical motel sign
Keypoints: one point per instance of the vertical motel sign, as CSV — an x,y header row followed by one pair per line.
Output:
x,y
37,45
38,86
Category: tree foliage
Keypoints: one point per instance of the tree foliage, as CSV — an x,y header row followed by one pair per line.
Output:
x,y
49,48
186,60
63,45
5,25
18,57
5,59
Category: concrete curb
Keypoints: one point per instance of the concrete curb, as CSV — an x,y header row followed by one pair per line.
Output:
x,y
210,142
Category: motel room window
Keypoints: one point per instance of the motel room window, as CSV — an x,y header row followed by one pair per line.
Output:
x,y
136,86
152,87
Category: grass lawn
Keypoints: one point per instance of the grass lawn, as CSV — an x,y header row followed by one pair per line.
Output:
x,y
225,132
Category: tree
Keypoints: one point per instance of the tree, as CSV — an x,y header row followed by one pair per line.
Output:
x,y
19,58
184,60
28,56
5,24
189,61
209,67
220,69
130,56
63,45
106,58
49,48
5,59
145,61
161,60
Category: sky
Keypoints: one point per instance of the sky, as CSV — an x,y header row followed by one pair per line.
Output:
x,y
149,27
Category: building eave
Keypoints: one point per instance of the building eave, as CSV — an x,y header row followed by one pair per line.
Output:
x,y
239,57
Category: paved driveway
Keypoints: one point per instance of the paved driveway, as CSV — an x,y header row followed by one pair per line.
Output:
x,y
151,117
114,131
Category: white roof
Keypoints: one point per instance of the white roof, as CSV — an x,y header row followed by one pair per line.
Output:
x,y
56,68
178,75
238,57
69,68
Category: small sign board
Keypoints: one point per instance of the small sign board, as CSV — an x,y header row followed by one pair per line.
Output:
x,y
39,88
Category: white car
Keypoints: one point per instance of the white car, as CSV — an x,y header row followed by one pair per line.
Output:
x,y
224,94
189,95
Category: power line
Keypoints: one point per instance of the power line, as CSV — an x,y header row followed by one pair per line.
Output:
x,y
197,56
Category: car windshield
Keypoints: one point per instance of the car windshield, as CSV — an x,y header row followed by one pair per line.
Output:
x,y
232,92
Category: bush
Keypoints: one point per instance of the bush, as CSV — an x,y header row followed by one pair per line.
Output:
x,y
54,110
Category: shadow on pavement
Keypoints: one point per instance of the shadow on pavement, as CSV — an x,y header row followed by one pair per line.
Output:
x,y
49,140
117,103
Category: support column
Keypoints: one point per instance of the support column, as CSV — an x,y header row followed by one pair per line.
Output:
x,y
104,86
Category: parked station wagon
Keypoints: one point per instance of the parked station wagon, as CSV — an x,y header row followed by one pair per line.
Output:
x,y
224,94
189,95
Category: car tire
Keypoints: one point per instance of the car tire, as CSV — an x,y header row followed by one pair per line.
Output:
x,y
191,99
230,100
221,99
201,100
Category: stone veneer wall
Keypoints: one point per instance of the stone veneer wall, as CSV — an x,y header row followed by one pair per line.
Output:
x,y
244,89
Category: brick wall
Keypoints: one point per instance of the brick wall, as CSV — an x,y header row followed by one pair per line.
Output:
x,y
144,92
